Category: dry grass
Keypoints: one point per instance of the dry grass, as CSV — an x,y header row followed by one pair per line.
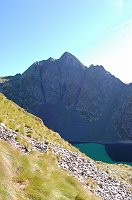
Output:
x,y
33,176
25,123
119,171
36,176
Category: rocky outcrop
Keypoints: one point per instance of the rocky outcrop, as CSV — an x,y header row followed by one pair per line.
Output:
x,y
81,168
81,103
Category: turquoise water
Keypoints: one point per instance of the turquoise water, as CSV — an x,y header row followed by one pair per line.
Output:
x,y
96,152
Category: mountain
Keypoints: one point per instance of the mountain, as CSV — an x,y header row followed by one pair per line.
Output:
x,y
81,103
37,164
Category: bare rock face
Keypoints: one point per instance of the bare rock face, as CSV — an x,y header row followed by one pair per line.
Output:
x,y
127,118
123,119
81,103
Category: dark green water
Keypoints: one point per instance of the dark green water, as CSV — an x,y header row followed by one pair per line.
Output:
x,y
105,153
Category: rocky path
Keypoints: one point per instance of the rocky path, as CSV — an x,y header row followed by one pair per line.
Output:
x,y
77,166
83,169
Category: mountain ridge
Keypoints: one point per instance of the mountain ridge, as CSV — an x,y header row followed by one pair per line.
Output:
x,y
82,104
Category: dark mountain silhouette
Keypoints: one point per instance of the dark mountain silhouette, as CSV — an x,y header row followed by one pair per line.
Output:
x,y
81,103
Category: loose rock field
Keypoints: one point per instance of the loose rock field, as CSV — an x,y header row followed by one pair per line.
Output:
x,y
77,166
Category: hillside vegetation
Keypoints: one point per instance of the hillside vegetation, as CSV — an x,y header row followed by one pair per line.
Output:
x,y
35,175
28,171
25,123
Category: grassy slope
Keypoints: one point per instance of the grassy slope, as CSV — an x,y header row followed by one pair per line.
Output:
x,y
25,123
33,176
119,171
36,176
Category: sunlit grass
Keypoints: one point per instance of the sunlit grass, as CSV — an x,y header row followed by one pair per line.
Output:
x,y
33,176
36,176
25,123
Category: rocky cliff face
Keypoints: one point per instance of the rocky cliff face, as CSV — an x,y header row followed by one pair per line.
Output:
x,y
82,104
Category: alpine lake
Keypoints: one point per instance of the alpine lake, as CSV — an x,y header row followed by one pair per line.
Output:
x,y
109,153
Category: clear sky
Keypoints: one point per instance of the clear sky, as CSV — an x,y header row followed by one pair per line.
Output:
x,y
95,31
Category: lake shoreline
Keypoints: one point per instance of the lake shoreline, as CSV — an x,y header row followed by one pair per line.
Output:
x,y
118,153
103,143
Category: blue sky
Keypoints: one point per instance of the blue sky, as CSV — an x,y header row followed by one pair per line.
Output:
x,y
95,31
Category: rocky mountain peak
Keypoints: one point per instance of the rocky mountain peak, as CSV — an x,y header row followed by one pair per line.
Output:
x,y
97,68
83,97
69,59
50,59
67,55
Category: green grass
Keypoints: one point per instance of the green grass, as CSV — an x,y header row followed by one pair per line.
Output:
x,y
119,171
33,176
25,123
36,176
